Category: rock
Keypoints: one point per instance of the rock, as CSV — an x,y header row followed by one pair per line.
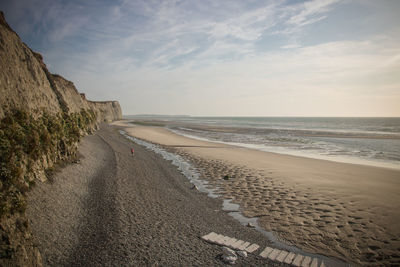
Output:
x,y
194,187
251,225
228,255
242,253
228,251
229,259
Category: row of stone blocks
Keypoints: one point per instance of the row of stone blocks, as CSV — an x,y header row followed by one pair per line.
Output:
x,y
230,242
268,253
290,258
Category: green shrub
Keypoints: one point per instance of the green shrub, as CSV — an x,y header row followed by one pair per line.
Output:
x,y
24,140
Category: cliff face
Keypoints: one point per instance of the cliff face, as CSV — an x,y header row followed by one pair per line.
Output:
x,y
107,110
25,83
42,118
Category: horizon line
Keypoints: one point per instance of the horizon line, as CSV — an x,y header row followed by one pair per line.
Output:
x,y
254,116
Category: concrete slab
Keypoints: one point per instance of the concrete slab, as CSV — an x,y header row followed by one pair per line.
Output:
x,y
297,260
266,252
219,239
244,245
282,256
289,258
306,262
252,248
209,237
274,254
225,240
314,262
238,244
230,242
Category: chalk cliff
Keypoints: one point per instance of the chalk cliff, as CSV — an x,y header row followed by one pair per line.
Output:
x,y
42,118
25,83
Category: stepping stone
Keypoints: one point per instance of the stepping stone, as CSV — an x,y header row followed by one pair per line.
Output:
x,y
306,262
219,239
322,264
244,245
297,260
282,256
266,252
230,242
237,245
314,263
289,258
215,237
227,240
209,237
272,256
252,248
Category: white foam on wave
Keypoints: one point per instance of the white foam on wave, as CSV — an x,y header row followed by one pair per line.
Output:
x,y
335,154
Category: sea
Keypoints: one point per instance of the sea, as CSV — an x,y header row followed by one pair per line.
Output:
x,y
366,141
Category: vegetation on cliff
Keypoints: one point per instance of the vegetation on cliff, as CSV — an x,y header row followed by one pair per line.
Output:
x,y
26,142
29,146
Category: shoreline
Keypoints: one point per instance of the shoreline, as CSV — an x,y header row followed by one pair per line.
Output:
x,y
339,159
232,209
335,209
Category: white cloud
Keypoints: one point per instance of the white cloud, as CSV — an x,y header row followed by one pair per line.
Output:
x,y
290,46
182,56
306,12
311,80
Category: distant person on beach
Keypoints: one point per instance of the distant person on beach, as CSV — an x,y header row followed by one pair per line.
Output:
x,y
132,151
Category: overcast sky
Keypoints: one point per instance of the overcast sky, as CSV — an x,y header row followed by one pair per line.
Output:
x,y
236,58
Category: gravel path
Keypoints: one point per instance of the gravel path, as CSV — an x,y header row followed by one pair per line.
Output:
x,y
113,209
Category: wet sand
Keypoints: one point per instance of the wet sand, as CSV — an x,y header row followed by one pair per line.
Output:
x,y
347,211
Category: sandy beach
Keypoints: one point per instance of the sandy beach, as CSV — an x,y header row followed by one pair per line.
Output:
x,y
347,211
112,209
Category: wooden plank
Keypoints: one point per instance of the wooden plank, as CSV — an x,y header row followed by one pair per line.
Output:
x,y
297,260
266,252
252,248
306,262
289,258
314,262
244,245
272,256
282,256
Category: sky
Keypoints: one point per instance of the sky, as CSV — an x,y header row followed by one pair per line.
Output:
x,y
222,58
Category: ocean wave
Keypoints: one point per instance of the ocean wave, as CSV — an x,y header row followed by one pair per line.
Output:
x,y
378,152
